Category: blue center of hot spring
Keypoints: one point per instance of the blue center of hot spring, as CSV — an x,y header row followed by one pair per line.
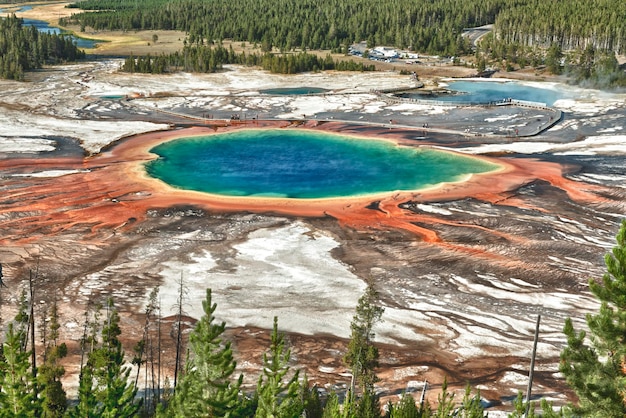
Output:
x,y
302,164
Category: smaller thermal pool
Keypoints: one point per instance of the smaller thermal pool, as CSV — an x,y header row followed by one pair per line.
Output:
x,y
110,96
485,92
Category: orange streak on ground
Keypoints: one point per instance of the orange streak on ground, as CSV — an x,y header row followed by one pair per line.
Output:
x,y
362,218
112,191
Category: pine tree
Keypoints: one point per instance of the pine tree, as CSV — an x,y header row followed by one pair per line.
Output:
x,y
471,407
332,408
87,403
22,318
349,409
104,387
362,355
369,405
553,58
278,399
182,291
310,399
144,350
16,380
87,406
445,401
206,389
547,410
405,408
519,408
595,368
54,398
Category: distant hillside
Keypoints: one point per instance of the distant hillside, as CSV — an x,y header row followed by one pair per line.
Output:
x,y
433,26
571,24
424,25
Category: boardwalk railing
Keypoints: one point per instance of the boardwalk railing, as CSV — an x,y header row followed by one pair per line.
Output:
x,y
388,96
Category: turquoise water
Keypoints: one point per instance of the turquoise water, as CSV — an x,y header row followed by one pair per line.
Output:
x,y
481,92
303,165
485,91
110,96
294,91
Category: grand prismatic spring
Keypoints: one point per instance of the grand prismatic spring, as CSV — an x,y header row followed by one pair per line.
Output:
x,y
304,165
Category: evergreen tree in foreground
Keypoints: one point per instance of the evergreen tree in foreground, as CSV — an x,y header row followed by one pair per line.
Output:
x,y
54,399
310,399
407,408
471,407
16,380
105,389
332,409
445,401
519,407
595,368
278,399
362,355
207,389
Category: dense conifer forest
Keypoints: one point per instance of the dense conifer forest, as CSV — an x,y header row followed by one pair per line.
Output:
x,y
583,36
24,48
207,59
572,24
590,67
577,38
307,24
422,25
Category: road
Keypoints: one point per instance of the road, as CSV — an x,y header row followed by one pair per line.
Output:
x,y
475,34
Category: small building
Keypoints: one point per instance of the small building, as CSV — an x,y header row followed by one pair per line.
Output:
x,y
386,52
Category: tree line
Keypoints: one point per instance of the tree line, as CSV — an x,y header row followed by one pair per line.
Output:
x,y
208,59
573,24
524,30
590,66
24,48
423,25
206,384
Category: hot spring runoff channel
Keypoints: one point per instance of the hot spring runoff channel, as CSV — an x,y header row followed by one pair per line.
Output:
x,y
303,165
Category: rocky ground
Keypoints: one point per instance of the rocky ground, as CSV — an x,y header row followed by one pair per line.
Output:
x,y
463,271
